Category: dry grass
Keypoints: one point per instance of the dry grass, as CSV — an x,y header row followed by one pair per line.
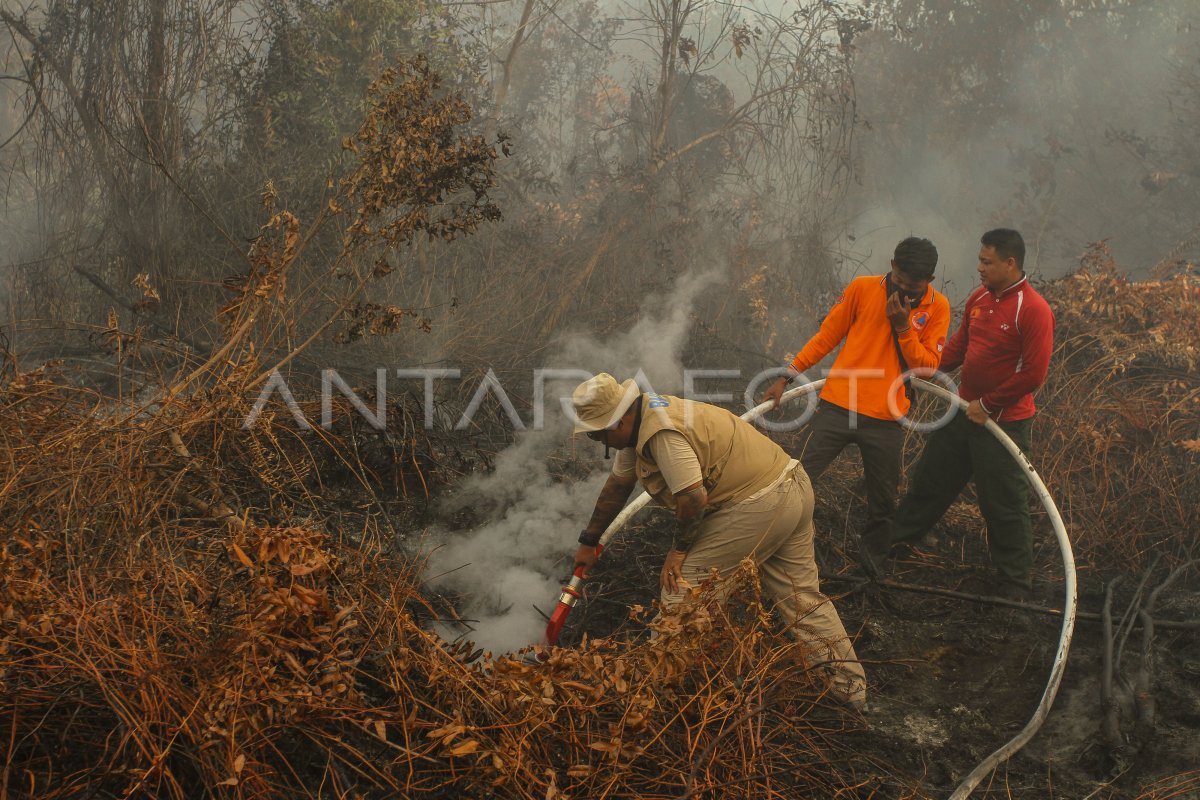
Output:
x,y
1175,787
153,644
1119,424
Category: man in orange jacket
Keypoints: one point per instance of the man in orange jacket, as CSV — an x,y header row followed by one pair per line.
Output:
x,y
890,324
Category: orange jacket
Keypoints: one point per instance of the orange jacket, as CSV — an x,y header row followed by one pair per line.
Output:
x,y
867,365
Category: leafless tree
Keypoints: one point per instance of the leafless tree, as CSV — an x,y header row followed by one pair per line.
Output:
x,y
124,102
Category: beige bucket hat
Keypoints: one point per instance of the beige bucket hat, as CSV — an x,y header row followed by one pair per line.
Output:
x,y
600,401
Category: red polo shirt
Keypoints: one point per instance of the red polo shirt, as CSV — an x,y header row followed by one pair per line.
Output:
x,y
1003,344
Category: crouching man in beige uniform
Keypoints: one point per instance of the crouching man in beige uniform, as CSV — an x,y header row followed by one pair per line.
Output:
x,y
736,494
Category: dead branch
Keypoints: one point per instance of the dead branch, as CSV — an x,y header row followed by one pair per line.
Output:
x,y
1002,601
218,509
1145,706
1108,705
1130,616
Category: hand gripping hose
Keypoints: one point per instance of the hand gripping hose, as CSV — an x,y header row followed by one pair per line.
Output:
x,y
571,592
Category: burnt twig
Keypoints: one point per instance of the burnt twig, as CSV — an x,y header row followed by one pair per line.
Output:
x,y
1109,705
1143,685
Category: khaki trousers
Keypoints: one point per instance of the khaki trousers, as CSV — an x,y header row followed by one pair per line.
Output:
x,y
775,528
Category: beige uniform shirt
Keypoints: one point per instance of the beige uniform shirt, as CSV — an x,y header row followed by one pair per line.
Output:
x,y
732,457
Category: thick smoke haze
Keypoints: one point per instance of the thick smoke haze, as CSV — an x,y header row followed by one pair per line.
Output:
x,y
1064,126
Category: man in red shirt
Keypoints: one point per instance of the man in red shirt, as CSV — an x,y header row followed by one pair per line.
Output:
x,y
889,324
1003,345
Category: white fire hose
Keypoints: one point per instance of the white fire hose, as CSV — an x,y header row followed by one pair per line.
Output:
x,y
1071,600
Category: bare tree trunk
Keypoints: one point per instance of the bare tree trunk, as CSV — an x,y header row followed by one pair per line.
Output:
x,y
148,236
507,69
672,28
156,68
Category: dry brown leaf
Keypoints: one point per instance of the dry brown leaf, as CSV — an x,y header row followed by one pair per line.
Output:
x,y
447,732
241,556
465,747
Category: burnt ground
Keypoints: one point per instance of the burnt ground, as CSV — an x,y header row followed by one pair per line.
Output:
x,y
953,679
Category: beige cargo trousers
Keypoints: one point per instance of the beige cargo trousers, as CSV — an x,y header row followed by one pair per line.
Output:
x,y
774,527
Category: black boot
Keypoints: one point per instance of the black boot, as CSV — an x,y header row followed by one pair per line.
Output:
x,y
873,549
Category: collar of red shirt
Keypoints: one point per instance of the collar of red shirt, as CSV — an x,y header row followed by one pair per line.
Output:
x,y
1008,289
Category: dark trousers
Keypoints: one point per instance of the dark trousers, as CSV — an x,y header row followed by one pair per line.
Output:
x,y
880,442
952,456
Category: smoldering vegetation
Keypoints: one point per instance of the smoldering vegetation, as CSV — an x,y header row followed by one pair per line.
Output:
x,y
206,197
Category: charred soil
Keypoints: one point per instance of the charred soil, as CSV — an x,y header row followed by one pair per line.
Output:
x,y
953,678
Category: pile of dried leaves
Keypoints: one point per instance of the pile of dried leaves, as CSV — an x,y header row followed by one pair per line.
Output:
x,y
158,638
1119,423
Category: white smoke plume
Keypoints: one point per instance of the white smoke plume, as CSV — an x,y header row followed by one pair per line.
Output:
x,y
518,559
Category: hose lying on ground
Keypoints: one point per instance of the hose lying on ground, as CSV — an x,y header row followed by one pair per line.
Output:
x,y
1070,602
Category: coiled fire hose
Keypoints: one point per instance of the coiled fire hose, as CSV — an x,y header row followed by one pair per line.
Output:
x,y
572,591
